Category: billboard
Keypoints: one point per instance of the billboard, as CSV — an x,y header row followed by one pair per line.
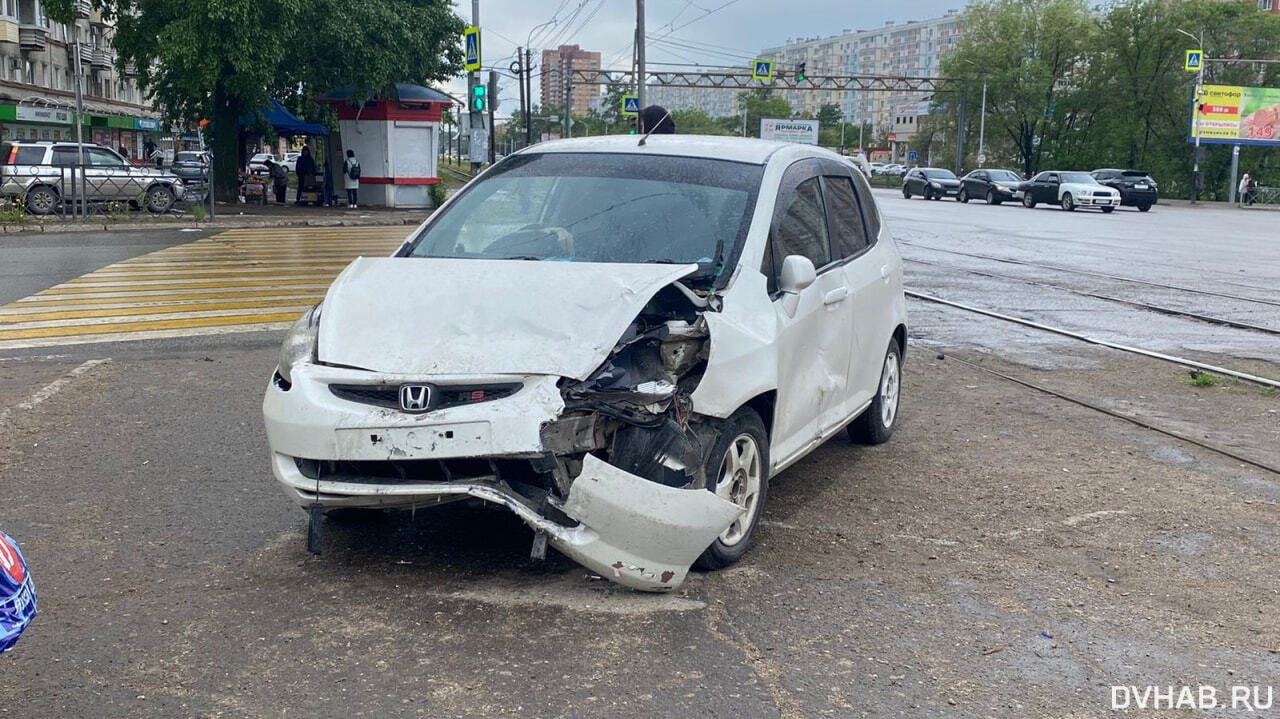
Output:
x,y
801,131
1234,115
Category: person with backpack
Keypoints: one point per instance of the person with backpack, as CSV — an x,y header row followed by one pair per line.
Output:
x,y
351,177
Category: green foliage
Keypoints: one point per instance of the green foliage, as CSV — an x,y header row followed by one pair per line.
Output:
x,y
222,59
698,122
757,104
438,195
829,115
1081,88
13,211
1202,379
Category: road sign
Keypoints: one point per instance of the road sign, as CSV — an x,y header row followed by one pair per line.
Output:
x,y
630,105
1195,60
982,158
913,156
893,137
762,70
471,39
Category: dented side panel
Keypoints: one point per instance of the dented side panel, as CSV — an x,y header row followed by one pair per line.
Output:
x,y
743,362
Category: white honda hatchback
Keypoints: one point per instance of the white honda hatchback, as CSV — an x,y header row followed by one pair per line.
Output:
x,y
619,340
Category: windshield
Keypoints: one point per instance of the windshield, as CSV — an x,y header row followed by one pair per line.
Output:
x,y
1081,177
940,174
1004,176
597,207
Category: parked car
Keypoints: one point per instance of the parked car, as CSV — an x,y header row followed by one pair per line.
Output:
x,y
995,186
877,168
1070,190
1136,187
893,170
933,183
623,358
191,166
258,163
290,161
39,173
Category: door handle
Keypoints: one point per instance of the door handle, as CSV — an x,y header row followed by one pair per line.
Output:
x,y
839,294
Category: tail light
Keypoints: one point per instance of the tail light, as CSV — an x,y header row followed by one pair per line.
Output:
x,y
13,155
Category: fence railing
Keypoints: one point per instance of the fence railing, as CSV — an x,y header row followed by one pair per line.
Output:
x,y
71,191
1261,196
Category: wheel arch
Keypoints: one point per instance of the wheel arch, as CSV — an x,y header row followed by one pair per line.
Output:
x,y
763,404
900,336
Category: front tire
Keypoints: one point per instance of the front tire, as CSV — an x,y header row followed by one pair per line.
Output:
x,y
738,471
159,199
1069,203
875,424
1144,208
963,196
906,192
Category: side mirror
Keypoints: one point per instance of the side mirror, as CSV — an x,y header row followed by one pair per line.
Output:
x,y
797,273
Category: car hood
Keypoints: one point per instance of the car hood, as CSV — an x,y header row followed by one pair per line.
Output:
x,y
426,316
1082,187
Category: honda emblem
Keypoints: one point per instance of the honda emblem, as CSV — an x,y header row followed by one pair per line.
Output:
x,y
414,397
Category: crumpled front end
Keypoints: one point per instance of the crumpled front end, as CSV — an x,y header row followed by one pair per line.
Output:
x,y
609,468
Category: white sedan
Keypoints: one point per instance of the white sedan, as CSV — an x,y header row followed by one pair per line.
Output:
x,y
1069,190
619,342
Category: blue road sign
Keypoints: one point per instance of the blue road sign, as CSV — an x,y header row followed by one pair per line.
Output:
x,y
1195,59
471,37
913,156
762,70
630,105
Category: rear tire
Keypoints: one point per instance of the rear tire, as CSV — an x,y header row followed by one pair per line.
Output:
x,y
738,471
875,424
42,200
1108,210
906,193
160,199
1144,208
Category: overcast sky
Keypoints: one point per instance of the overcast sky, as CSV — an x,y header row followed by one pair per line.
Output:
x,y
709,32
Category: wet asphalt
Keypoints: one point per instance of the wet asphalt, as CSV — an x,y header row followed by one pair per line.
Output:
x,y
1001,556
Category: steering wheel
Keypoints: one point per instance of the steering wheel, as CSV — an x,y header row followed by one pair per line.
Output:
x,y
563,237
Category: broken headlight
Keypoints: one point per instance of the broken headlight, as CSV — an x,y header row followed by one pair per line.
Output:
x,y
299,344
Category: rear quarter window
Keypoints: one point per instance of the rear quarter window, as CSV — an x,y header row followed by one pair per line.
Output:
x,y
30,155
869,208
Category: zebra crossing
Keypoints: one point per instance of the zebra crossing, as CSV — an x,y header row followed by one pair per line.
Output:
x,y
234,281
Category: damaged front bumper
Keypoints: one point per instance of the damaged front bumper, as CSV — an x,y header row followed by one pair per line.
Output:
x,y
622,526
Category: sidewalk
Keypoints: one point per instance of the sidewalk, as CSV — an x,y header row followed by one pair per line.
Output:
x,y
229,216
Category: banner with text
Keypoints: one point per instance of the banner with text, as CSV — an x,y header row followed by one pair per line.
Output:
x,y
1234,115
801,131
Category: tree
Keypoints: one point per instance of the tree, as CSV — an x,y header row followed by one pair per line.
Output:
x,y
762,103
697,122
830,116
223,59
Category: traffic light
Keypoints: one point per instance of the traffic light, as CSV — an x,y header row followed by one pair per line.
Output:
x,y
478,96
631,125
800,72
494,90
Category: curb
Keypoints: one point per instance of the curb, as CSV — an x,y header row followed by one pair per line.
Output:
x,y
211,225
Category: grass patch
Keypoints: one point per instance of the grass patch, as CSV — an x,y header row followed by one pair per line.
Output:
x,y
1201,379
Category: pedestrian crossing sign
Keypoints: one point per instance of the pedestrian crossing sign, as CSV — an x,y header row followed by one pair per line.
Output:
x,y
471,40
762,71
630,105
1195,60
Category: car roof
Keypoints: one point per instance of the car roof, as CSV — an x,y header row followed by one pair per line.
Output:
x,y
735,149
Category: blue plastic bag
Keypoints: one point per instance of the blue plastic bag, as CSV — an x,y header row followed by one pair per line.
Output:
x,y
17,594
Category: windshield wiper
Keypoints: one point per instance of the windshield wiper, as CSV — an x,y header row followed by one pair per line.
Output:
x,y
521,257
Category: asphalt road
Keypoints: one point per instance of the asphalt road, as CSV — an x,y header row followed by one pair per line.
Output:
x,y
1006,554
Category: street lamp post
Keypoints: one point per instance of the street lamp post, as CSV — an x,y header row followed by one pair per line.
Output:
x,y
1196,179
982,128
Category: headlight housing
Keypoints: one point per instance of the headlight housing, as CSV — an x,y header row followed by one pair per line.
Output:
x,y
935,185
299,344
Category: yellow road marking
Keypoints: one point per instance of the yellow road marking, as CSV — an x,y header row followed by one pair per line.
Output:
x,y
10,320
62,290
146,325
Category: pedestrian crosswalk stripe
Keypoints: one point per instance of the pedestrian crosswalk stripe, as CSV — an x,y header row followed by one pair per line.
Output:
x,y
234,281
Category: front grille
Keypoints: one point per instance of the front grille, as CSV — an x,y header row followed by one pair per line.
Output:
x,y
442,396
420,471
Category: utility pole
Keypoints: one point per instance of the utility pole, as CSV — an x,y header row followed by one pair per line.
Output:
x,y
491,98
528,91
960,137
1196,179
982,127
473,81
76,190
521,68
640,93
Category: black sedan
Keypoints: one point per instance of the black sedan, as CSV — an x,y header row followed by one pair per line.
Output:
x,y
1136,187
933,183
995,186
191,166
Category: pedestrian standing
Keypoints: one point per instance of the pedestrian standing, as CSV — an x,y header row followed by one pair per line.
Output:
x,y
655,120
279,180
351,177
1248,188
306,170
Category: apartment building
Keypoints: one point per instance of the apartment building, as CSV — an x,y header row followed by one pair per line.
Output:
x,y
910,49
564,59
37,91
715,101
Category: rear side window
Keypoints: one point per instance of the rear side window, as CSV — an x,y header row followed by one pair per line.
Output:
x,y
802,229
848,237
869,209
30,155
66,156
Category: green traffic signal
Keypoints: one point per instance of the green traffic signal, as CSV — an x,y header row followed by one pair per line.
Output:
x,y
800,72
477,98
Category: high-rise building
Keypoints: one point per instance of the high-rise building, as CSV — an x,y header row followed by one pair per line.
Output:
x,y
910,49
561,61
715,101
37,74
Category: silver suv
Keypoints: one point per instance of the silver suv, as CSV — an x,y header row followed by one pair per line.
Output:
x,y
40,173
